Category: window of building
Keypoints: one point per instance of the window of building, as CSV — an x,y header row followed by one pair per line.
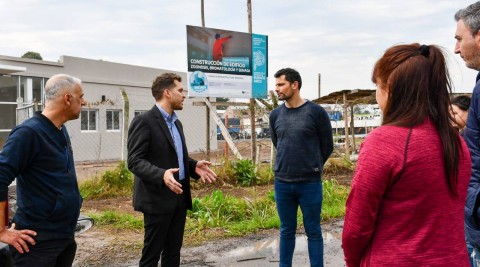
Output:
x,y
138,112
8,105
113,120
88,120
8,89
12,87
31,89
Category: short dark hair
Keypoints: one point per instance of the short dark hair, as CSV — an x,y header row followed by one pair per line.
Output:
x,y
462,102
162,82
291,75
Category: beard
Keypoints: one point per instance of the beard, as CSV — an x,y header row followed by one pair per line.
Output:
x,y
284,97
178,106
473,62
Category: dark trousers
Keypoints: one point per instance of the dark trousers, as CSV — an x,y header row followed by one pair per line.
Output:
x,y
47,253
164,236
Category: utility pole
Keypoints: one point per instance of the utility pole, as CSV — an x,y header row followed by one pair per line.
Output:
x,y
345,117
203,13
252,100
207,114
319,85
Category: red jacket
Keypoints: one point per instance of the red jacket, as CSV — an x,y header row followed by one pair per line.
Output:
x,y
218,48
408,218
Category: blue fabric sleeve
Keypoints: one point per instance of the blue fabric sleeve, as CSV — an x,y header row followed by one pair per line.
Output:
x,y
326,136
15,157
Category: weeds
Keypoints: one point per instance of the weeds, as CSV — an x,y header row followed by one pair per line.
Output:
x,y
225,171
242,172
334,199
245,172
117,220
216,214
113,183
264,174
338,166
219,215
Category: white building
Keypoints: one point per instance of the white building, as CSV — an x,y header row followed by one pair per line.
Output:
x,y
100,132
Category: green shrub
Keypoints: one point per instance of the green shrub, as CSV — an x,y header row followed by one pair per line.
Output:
x,y
119,178
265,174
112,183
245,172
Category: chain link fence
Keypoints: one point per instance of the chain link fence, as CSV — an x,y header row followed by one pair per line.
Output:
x,y
25,111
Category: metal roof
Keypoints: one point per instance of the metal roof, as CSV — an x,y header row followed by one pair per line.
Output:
x,y
355,96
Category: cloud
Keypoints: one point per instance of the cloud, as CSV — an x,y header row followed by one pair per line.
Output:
x,y
341,39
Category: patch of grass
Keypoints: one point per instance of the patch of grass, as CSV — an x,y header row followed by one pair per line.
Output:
x,y
117,220
215,215
112,183
265,174
338,166
334,199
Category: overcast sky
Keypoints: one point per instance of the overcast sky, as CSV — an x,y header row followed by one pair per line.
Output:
x,y
341,39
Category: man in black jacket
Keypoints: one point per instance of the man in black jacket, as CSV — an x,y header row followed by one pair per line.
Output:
x,y
158,156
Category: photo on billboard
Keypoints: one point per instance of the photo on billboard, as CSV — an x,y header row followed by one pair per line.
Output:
x,y
219,63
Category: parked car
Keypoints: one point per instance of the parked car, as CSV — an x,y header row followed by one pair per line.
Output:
x,y
264,133
233,131
83,224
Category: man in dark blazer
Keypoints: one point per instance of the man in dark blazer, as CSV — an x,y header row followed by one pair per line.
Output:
x,y
158,157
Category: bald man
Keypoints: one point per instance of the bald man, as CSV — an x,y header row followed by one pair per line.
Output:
x,y
38,153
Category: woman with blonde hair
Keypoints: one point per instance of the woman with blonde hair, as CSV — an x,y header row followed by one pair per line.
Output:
x,y
406,206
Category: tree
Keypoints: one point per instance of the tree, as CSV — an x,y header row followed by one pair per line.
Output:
x,y
32,55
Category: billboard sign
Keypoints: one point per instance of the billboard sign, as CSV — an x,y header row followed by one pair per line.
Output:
x,y
228,64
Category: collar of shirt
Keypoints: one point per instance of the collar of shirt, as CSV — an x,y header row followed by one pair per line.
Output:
x,y
168,118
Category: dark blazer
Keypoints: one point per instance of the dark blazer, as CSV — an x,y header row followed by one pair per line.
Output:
x,y
151,152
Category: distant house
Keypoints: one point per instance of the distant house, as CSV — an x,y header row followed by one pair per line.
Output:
x,y
100,132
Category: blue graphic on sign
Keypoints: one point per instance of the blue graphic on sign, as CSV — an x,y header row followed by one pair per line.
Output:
x,y
259,62
198,82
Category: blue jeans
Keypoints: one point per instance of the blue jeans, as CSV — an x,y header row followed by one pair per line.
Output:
x,y
473,255
288,196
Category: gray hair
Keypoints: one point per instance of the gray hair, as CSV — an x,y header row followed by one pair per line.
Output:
x,y
58,83
470,16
